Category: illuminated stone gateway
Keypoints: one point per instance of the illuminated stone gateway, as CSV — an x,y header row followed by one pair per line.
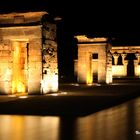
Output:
x,y
99,61
28,53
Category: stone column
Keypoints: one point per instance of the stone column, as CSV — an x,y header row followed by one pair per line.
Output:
x,y
116,56
136,62
34,66
81,65
89,76
102,66
138,57
109,68
125,66
123,57
5,66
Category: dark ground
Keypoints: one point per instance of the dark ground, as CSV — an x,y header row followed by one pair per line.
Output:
x,y
72,99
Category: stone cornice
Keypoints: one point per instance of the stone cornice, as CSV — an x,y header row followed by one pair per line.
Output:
x,y
21,18
85,39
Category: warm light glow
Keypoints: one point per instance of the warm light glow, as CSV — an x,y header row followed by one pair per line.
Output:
x,y
18,85
50,83
84,38
63,93
89,78
54,94
23,97
54,82
25,127
119,70
11,95
76,84
137,70
7,75
109,79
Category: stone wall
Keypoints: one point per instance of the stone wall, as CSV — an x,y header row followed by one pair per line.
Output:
x,y
27,35
5,66
85,62
28,53
87,67
119,71
50,66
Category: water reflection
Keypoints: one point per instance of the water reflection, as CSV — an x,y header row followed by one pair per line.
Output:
x,y
67,128
28,128
120,122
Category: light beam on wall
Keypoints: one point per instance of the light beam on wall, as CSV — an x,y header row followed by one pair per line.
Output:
x,y
18,85
50,83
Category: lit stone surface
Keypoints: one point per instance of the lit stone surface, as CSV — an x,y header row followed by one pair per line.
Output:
x,y
26,17
83,38
86,66
21,53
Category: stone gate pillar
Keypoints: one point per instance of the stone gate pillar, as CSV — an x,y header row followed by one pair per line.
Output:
x,y
109,78
136,68
136,64
116,56
102,67
28,53
123,57
125,66
82,64
86,48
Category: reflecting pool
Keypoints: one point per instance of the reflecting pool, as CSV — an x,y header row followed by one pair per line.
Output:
x,y
121,122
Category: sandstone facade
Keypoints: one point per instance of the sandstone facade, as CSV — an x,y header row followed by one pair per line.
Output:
x,y
107,64
24,37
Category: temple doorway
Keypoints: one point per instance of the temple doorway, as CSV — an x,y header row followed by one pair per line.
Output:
x,y
20,67
95,67
130,67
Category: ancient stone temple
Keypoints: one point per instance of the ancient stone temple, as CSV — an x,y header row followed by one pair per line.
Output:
x,y
28,53
99,61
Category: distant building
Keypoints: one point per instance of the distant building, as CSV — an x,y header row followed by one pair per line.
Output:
x,y
28,53
99,61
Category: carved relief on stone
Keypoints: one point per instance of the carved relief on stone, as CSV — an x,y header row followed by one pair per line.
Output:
x,y
116,56
49,31
48,54
123,57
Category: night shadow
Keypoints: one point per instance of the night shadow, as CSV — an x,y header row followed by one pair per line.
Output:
x,y
67,127
131,128
62,106
130,68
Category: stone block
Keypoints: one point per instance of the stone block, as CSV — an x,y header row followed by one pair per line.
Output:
x,y
34,87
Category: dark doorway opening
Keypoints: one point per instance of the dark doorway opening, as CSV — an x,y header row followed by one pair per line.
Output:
x,y
130,67
95,67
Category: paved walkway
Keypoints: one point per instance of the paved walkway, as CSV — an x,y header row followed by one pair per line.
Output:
x,y
72,99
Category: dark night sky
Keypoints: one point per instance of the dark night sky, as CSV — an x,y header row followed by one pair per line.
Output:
x,y
91,17
117,19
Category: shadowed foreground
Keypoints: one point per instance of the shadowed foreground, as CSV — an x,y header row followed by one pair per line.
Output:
x,y
70,100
